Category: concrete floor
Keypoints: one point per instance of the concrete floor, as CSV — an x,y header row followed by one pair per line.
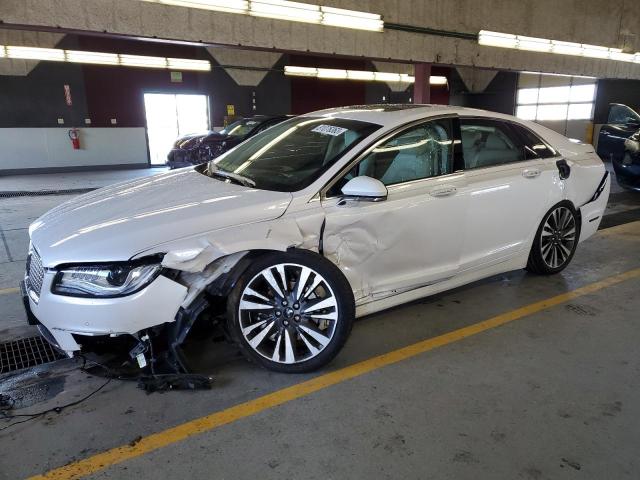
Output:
x,y
555,394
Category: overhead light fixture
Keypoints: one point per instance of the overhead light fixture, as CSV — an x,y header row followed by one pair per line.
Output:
x,y
33,53
92,57
362,75
339,17
102,58
143,61
438,80
332,73
301,71
534,44
288,10
188,64
285,10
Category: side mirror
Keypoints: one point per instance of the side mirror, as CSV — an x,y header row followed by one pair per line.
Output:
x,y
365,188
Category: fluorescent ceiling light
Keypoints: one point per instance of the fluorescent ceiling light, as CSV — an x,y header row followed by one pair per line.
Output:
x,y
101,58
92,57
285,10
361,75
33,53
188,64
387,77
437,80
288,10
331,73
143,61
533,44
339,17
301,71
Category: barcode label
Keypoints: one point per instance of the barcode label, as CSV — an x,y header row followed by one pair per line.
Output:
x,y
329,130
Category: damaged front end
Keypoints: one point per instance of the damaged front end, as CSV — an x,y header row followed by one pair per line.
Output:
x,y
159,349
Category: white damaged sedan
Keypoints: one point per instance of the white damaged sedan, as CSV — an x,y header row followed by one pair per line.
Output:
x,y
318,220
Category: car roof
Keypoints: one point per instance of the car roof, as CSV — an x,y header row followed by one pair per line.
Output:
x,y
397,114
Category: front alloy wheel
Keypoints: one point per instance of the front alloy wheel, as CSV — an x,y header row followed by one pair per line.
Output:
x,y
291,312
556,240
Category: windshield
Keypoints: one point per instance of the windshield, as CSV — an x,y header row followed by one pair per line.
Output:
x,y
240,128
291,155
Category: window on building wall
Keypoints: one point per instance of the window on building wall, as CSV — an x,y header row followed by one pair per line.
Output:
x,y
555,98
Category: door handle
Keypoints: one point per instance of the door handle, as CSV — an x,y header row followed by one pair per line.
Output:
x,y
531,173
443,191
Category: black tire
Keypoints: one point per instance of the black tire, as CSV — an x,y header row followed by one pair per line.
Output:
x,y
338,292
537,263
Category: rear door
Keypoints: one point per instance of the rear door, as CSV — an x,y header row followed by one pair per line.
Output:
x,y
508,184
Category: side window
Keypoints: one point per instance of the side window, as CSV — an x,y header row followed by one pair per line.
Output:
x,y
621,114
488,142
421,152
534,146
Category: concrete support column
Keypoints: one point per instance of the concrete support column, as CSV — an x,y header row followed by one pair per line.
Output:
x,y
422,85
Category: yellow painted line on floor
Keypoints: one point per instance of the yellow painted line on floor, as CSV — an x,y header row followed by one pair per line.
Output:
x,y
7,291
207,423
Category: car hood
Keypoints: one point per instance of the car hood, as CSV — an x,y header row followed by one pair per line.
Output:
x,y
117,222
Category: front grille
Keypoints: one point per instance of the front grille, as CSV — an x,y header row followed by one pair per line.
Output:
x,y
26,352
35,272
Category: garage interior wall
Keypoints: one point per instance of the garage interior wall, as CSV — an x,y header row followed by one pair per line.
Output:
x,y
107,98
499,96
560,102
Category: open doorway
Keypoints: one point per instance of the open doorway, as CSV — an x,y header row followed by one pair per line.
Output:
x,y
170,116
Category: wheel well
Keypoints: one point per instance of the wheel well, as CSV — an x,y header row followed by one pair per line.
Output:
x,y
222,286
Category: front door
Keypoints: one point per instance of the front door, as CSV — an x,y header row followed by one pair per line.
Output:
x,y
508,186
411,239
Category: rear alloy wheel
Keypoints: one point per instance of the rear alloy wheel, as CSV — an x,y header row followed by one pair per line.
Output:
x,y
291,312
556,240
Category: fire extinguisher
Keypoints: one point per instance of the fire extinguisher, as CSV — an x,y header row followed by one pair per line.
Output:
x,y
74,135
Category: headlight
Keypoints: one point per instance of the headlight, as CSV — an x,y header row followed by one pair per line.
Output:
x,y
106,280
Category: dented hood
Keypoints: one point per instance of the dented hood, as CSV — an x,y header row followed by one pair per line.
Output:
x,y
116,222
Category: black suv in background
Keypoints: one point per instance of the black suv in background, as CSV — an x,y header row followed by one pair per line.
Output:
x,y
619,143
194,149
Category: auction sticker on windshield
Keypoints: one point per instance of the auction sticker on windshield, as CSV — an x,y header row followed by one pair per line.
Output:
x,y
329,130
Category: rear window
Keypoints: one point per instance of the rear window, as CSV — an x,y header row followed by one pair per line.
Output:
x,y
534,146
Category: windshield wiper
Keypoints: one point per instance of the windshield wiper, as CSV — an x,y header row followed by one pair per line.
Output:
x,y
215,171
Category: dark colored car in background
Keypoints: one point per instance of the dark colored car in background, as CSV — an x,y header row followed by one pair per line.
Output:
x,y
622,122
194,149
618,142
628,168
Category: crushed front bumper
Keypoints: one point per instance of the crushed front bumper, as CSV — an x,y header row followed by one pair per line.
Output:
x,y
62,319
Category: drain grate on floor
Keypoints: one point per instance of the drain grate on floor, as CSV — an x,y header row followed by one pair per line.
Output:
x,y
26,352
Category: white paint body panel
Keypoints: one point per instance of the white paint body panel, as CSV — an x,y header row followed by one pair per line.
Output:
x,y
415,243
